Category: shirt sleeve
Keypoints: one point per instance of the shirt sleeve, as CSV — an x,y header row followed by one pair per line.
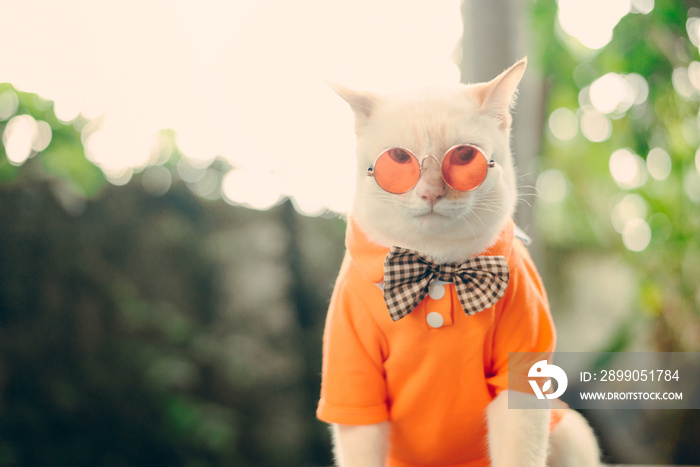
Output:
x,y
353,388
524,325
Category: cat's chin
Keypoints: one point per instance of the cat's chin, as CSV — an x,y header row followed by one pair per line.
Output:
x,y
439,235
431,221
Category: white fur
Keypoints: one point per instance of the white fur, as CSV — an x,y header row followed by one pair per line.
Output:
x,y
363,445
572,443
448,226
520,437
517,437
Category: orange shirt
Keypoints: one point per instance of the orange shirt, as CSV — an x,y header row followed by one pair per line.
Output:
x,y
433,372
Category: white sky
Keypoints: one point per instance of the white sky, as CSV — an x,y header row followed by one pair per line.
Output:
x,y
245,80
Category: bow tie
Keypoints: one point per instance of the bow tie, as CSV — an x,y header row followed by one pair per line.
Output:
x,y
480,282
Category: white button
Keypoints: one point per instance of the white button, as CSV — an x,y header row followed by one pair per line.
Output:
x,y
435,319
436,290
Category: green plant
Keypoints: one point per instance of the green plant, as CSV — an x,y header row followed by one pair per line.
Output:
x,y
620,165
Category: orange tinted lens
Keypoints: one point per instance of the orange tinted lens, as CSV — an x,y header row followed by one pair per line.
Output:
x,y
396,171
464,168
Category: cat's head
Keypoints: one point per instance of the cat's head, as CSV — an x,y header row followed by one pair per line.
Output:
x,y
434,218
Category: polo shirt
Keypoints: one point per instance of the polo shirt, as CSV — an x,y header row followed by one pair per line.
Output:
x,y
432,373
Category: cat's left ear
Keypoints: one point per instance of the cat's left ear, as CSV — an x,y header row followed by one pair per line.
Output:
x,y
498,95
362,103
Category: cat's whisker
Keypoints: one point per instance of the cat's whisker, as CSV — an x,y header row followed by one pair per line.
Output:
x,y
476,215
465,219
528,190
526,174
527,186
527,198
528,201
486,205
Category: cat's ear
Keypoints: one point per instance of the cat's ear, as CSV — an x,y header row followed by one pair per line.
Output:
x,y
362,103
497,97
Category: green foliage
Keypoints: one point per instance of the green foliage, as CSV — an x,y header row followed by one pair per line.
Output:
x,y
654,46
144,326
64,157
160,330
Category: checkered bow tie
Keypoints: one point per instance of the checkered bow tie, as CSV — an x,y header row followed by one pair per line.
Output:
x,y
480,282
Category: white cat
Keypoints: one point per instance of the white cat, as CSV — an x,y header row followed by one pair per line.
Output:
x,y
430,388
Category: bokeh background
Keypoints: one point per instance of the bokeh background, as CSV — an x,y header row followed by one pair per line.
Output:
x,y
173,179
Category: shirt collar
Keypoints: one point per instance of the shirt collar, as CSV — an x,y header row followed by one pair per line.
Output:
x,y
369,256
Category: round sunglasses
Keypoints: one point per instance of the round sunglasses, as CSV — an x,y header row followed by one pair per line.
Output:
x,y
397,170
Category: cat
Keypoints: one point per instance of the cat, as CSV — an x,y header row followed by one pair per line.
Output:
x,y
430,387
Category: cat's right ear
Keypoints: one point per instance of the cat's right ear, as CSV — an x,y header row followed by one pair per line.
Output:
x,y
362,103
498,95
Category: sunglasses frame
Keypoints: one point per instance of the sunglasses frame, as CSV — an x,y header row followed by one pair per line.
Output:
x,y
489,165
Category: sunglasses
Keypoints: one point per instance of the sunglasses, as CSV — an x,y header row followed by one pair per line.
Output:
x,y
397,170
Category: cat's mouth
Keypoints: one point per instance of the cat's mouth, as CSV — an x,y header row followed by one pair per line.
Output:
x,y
441,212
430,214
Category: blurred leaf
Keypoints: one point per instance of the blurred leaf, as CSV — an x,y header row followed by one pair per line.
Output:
x,y
654,46
63,158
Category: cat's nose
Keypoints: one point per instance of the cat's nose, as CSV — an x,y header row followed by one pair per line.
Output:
x,y
431,187
433,193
